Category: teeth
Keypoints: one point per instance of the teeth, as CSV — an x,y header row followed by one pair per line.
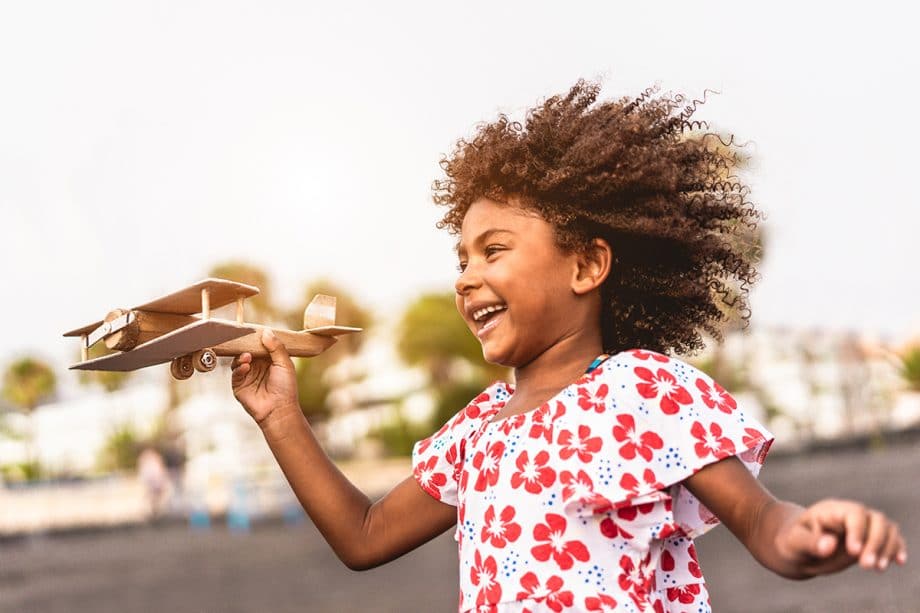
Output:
x,y
477,315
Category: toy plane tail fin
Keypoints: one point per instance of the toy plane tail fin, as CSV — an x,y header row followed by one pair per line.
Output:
x,y
320,312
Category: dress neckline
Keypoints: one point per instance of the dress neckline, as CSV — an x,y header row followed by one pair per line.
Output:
x,y
496,407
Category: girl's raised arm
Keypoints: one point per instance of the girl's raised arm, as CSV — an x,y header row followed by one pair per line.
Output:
x,y
362,534
792,541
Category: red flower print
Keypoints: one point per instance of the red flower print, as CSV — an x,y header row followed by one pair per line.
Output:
x,y
645,355
684,593
431,481
543,423
501,530
561,550
578,487
426,443
451,457
512,423
665,385
535,474
694,564
487,464
667,561
611,529
631,484
483,574
635,442
711,442
595,401
601,602
552,593
752,437
716,398
584,445
633,581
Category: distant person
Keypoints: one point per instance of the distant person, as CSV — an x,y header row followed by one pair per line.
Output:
x,y
595,241
152,473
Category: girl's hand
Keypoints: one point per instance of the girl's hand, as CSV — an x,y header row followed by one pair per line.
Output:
x,y
267,384
833,534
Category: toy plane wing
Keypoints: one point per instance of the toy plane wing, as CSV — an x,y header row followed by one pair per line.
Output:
x,y
187,301
172,345
333,330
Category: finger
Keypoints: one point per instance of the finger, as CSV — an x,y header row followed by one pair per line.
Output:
x,y
856,522
876,534
276,349
901,556
242,358
892,546
240,372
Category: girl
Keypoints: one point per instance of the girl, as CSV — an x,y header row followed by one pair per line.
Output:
x,y
593,240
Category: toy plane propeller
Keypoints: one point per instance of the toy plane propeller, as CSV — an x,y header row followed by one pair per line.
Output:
x,y
178,328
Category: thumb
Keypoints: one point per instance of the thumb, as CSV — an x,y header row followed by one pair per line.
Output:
x,y
808,539
276,349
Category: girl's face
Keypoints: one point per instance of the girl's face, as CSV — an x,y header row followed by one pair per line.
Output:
x,y
515,288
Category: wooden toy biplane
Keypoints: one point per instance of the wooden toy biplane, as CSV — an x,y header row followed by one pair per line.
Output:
x,y
178,328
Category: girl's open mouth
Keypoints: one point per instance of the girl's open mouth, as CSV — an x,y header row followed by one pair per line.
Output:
x,y
489,322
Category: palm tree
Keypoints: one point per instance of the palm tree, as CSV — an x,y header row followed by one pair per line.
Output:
x,y
27,383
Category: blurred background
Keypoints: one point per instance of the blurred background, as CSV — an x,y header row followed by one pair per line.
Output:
x,y
291,146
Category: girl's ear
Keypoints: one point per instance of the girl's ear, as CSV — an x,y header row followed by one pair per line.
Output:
x,y
592,267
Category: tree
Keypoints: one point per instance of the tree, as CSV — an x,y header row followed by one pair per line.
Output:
x,y
262,305
27,383
433,335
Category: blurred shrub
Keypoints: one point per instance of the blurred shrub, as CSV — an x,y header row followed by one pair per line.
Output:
x,y
910,368
120,449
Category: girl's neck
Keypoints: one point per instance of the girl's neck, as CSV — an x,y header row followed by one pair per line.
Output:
x,y
558,366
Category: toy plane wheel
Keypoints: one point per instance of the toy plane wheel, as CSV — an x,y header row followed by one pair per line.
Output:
x,y
204,360
182,368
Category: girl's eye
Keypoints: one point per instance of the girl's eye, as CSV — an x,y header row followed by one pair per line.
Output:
x,y
461,266
492,250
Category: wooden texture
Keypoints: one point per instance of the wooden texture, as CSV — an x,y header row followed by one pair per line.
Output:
x,y
320,312
187,301
333,330
174,344
298,344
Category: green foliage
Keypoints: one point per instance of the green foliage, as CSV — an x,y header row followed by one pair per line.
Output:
x,y
21,471
312,388
399,435
432,334
120,449
27,382
910,368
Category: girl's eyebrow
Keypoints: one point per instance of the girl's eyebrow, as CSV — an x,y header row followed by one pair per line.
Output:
x,y
483,237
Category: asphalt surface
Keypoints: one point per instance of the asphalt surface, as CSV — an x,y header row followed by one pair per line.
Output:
x,y
282,568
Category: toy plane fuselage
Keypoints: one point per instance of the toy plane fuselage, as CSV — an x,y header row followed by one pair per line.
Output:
x,y
178,328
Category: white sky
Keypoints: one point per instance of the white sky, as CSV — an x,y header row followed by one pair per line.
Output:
x,y
142,142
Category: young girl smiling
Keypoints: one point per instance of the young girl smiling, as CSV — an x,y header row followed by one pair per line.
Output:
x,y
594,241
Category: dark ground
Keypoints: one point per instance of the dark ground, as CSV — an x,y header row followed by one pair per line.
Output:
x,y
284,569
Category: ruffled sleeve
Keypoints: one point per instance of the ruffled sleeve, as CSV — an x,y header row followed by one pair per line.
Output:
x,y
663,420
437,460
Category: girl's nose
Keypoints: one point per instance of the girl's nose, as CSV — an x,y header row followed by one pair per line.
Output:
x,y
467,280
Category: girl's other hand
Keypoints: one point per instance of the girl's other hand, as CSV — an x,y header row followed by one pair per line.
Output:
x,y
266,384
834,534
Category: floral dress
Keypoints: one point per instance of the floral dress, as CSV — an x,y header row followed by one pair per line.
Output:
x,y
577,505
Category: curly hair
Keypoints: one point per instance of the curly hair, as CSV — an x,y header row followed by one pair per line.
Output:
x,y
639,173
